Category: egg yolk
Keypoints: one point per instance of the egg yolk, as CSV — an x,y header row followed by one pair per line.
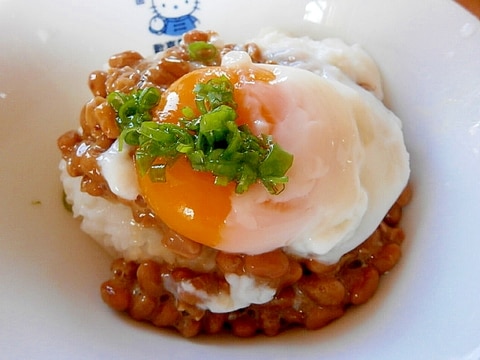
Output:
x,y
188,201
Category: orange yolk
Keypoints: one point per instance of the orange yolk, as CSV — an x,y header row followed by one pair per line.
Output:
x,y
188,201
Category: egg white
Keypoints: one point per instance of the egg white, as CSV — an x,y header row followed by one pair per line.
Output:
x,y
350,165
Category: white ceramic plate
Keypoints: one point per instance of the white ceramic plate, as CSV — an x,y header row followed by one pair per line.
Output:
x,y
428,52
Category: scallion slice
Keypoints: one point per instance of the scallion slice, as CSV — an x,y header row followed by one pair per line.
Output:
x,y
211,140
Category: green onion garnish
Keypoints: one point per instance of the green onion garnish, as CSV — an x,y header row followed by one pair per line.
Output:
x,y
133,110
212,141
202,51
65,203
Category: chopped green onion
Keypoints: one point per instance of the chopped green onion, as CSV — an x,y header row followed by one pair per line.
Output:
x,y
202,51
216,92
68,206
132,110
212,141
157,172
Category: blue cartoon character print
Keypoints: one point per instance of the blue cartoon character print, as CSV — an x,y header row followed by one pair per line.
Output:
x,y
173,17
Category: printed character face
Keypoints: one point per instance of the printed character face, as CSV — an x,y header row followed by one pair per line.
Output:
x,y
175,8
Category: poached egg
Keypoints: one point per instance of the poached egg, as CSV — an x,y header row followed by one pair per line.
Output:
x,y
350,165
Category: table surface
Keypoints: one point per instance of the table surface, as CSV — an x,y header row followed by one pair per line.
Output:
x,y
472,5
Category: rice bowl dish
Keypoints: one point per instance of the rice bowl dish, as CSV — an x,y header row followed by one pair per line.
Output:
x,y
51,270
206,255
